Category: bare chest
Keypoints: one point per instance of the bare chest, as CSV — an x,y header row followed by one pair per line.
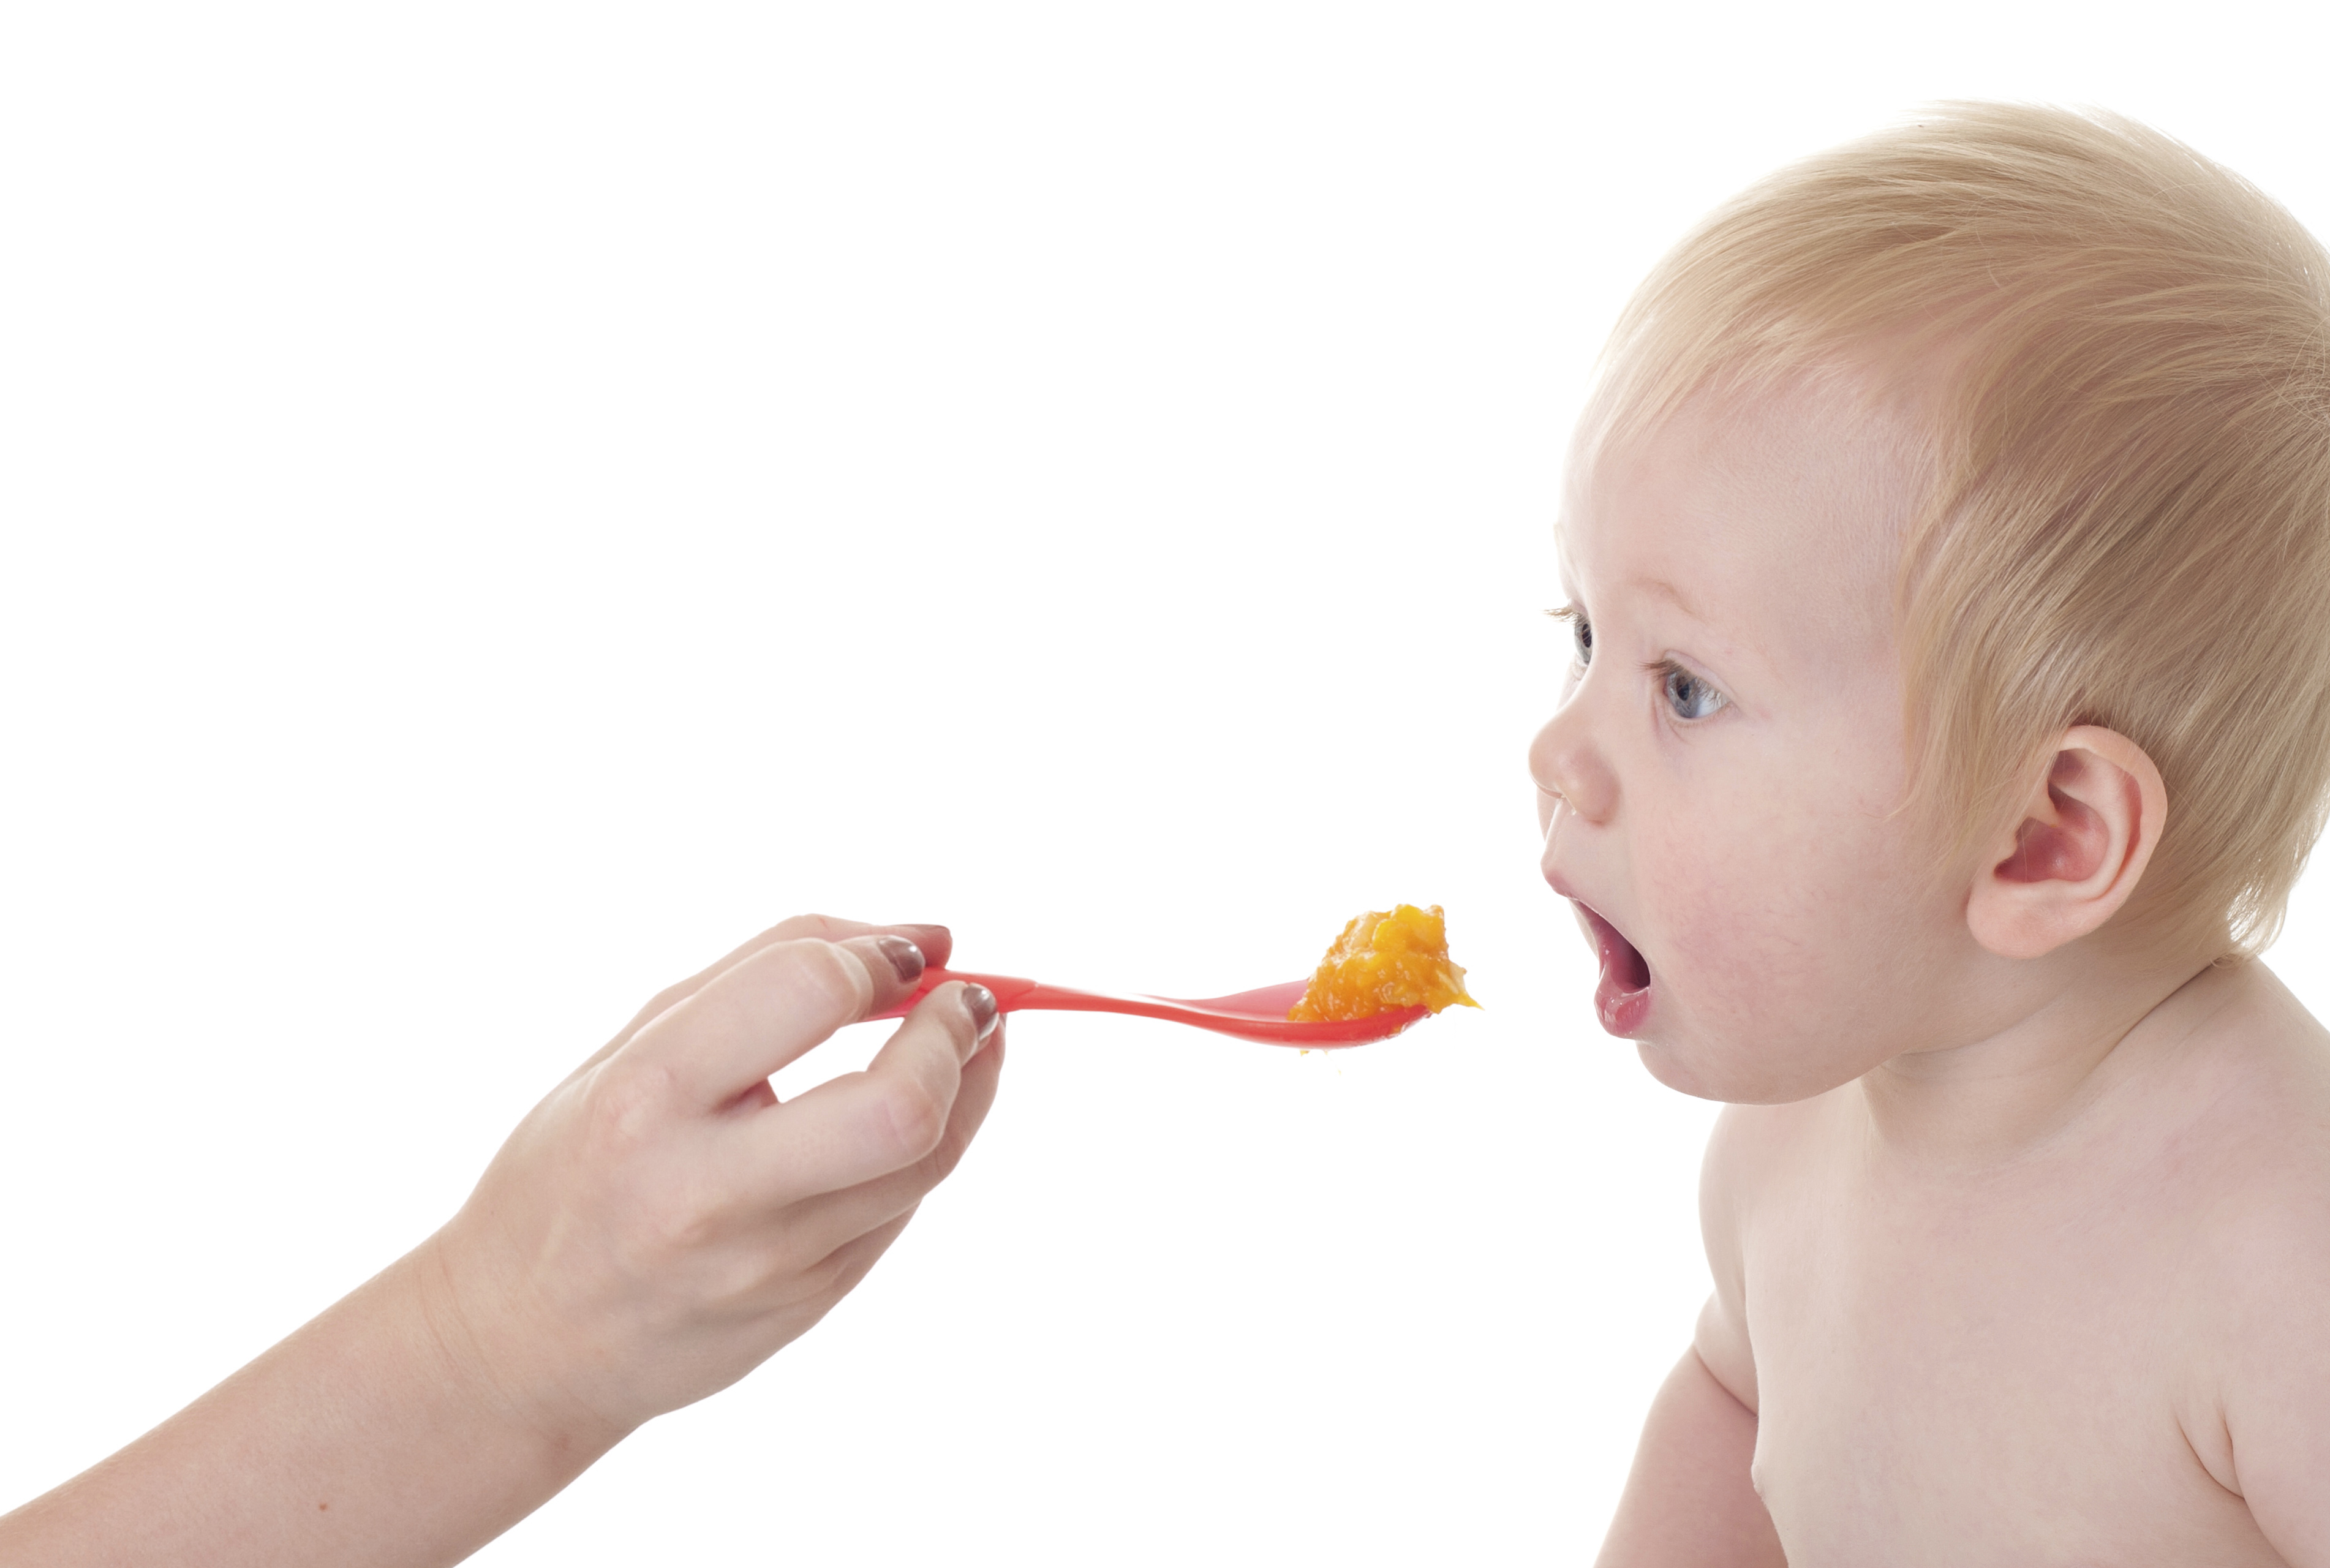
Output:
x,y
1999,1375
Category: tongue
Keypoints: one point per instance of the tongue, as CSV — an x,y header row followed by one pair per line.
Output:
x,y
1623,999
1621,962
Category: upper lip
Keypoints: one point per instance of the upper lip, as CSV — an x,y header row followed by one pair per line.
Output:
x,y
1562,885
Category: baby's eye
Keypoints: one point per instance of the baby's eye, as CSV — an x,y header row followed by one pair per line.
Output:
x,y
1689,696
1581,630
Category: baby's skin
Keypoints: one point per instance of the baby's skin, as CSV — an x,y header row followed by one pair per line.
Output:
x,y
2020,1223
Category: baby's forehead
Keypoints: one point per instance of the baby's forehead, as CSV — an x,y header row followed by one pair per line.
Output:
x,y
1773,510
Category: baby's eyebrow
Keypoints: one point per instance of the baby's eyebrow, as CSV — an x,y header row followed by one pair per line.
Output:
x,y
1661,586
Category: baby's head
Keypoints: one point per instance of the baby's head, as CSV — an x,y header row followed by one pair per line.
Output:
x,y
1948,547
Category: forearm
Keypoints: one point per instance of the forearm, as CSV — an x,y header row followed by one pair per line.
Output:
x,y
1688,1499
371,1437
657,1227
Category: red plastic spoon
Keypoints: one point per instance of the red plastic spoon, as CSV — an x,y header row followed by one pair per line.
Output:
x,y
1250,1014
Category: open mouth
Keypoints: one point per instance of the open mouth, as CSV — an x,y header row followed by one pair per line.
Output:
x,y
1623,998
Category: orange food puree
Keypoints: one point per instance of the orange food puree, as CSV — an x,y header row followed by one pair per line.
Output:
x,y
1383,961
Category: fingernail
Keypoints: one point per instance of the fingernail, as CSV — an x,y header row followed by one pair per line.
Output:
x,y
979,1002
903,956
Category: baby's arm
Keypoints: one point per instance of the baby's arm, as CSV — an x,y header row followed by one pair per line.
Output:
x,y
2269,1439
653,1230
1688,1499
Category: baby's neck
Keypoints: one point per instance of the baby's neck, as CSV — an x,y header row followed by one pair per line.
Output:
x,y
1984,1102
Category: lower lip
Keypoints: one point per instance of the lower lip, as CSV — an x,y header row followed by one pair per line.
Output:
x,y
1623,1010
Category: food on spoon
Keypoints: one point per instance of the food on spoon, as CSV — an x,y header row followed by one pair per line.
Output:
x,y
1386,959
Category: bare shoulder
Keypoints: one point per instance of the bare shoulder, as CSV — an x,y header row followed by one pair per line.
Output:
x,y
2247,1138
2232,1119
2244,1102
1750,1155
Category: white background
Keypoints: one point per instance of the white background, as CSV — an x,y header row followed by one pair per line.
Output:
x,y
502,503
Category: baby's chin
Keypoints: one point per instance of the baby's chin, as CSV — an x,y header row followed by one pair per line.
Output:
x,y
1736,1075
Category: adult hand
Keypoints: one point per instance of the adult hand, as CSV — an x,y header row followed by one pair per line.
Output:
x,y
657,1227
659,1224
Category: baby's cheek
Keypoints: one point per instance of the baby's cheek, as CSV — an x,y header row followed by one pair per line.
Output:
x,y
1702,925
1768,913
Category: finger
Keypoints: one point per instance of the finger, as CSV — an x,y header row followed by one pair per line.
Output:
x,y
762,1012
851,1262
819,1225
935,942
863,1125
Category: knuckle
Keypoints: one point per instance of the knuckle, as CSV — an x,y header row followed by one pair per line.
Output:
x,y
945,1155
680,1225
625,1104
808,925
668,1211
741,1279
945,1011
826,1274
826,975
663,1001
939,1164
914,1116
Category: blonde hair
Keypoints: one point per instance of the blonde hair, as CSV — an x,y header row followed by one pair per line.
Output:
x,y
2124,350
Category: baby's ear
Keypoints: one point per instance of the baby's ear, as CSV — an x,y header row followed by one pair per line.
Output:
x,y
2084,839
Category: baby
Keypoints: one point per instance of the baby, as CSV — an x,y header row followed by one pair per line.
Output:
x,y
1947,550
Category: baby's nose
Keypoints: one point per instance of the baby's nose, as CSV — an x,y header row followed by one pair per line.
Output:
x,y
1569,769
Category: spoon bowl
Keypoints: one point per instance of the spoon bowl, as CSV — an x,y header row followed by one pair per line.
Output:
x,y
1249,1014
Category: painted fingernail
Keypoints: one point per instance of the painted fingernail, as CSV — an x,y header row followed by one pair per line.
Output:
x,y
979,1002
903,956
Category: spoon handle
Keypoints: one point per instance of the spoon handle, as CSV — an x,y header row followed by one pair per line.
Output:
x,y
1250,1014
1013,995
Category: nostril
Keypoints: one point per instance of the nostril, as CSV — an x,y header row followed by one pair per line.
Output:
x,y
1549,805
1576,777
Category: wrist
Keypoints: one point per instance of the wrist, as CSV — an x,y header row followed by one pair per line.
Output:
x,y
504,1357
